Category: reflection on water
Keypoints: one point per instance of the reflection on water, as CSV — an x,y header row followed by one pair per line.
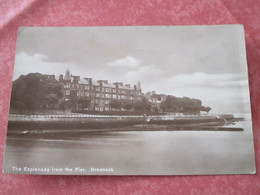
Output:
x,y
148,152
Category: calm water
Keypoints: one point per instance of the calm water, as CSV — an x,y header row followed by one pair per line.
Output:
x,y
133,153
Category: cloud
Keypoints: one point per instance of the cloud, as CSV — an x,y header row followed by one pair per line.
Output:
x,y
143,73
25,63
222,92
200,79
128,61
37,56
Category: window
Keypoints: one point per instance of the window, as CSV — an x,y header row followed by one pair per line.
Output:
x,y
86,87
123,91
67,85
87,94
67,92
97,95
106,101
106,108
114,90
97,88
108,90
107,95
114,96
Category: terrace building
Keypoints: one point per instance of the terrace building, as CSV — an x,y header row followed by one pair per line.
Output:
x,y
100,93
155,99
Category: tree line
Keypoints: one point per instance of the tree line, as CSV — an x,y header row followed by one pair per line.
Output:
x,y
34,92
183,105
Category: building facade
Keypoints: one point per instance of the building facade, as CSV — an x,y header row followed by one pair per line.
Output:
x,y
100,93
155,99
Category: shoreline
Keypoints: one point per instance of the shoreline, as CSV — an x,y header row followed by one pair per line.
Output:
x,y
108,123
50,134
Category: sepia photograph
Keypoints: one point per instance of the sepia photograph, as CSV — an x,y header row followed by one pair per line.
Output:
x,y
130,100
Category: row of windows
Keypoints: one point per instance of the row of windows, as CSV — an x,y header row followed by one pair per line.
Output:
x,y
68,85
123,97
86,94
97,101
102,101
104,89
119,92
106,108
109,90
99,89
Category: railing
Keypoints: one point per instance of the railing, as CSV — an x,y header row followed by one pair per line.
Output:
x,y
112,117
72,116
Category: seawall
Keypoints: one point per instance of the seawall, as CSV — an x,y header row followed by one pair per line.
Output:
x,y
81,121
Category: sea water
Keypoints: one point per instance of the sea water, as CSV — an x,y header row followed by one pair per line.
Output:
x,y
135,153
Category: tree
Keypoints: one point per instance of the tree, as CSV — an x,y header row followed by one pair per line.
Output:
x,y
115,104
146,104
138,106
128,105
142,106
51,100
64,104
183,105
83,103
35,91
205,109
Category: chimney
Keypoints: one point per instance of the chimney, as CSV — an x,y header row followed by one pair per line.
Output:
x,y
100,83
89,82
67,75
61,78
88,79
138,87
118,84
76,79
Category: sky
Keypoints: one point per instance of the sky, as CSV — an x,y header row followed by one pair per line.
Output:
x,y
204,62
